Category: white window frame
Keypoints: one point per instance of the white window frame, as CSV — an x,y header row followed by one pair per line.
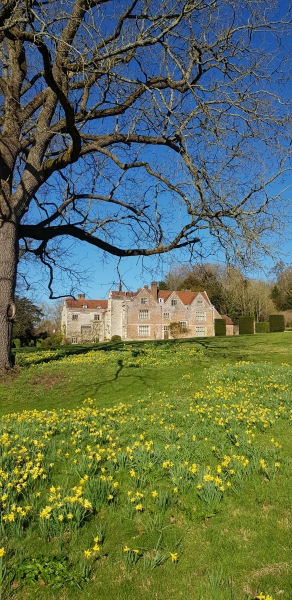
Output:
x,y
144,313
166,316
200,331
74,340
183,324
143,330
96,317
84,306
200,315
165,327
161,300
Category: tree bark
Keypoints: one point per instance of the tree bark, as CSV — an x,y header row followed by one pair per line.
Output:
x,y
8,265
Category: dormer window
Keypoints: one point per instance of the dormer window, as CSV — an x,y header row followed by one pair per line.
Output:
x,y
84,306
161,300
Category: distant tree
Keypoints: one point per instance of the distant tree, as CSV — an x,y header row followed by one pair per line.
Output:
x,y
50,322
176,276
276,297
281,293
206,278
27,319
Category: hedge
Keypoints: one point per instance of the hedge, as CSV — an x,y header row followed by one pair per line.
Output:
x,y
277,323
220,327
263,327
246,325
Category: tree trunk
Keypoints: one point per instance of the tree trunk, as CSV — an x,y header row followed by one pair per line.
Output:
x,y
8,264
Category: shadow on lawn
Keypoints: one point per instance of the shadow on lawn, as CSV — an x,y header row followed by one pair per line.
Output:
x,y
64,351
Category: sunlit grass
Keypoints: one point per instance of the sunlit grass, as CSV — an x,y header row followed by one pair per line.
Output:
x,y
167,493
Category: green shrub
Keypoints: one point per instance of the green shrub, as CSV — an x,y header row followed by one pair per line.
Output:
x,y
246,325
53,340
16,343
220,327
277,323
263,327
116,338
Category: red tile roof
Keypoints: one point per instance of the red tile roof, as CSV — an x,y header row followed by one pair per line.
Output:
x,y
80,302
185,297
164,294
227,319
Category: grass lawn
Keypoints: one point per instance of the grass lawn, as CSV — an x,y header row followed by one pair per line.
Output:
x,y
148,471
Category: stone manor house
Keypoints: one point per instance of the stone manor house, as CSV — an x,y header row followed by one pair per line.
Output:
x,y
144,314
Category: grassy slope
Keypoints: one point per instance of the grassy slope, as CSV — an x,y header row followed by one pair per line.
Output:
x,y
243,548
66,386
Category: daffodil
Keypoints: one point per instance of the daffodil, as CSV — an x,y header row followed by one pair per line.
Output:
x,y
173,556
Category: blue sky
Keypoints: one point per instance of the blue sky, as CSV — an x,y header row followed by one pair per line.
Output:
x,y
98,275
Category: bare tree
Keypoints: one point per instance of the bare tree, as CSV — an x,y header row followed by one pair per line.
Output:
x,y
136,126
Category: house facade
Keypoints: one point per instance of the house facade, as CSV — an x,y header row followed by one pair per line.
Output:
x,y
145,314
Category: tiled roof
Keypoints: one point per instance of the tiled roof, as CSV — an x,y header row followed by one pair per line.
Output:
x,y
164,294
185,297
80,302
227,319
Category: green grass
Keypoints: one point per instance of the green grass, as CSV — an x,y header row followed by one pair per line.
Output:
x,y
182,449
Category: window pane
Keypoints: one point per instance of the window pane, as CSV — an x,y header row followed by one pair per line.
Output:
x,y
144,330
143,314
200,315
200,332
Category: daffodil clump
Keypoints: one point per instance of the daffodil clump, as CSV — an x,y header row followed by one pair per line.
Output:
x,y
146,356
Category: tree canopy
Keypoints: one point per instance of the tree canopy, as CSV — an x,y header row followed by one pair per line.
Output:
x,y
27,319
137,126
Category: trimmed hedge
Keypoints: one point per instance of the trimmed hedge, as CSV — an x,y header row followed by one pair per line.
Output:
x,y
116,338
220,326
263,327
246,325
277,323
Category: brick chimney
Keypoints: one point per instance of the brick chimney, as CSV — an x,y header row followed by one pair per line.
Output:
x,y
81,296
154,289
